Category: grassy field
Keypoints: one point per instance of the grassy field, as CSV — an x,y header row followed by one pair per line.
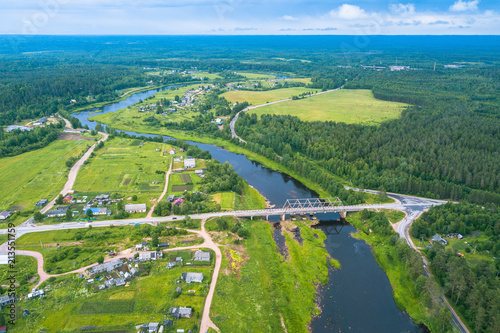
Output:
x,y
225,200
70,305
256,287
261,97
26,274
123,165
38,174
349,106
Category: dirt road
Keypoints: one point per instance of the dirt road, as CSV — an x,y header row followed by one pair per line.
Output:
x,y
73,173
167,175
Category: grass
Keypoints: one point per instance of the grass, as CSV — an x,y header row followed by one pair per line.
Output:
x,y
25,268
38,174
105,307
348,106
225,200
393,215
262,97
122,165
255,287
71,304
255,76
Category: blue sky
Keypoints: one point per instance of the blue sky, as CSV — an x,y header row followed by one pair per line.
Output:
x,y
250,17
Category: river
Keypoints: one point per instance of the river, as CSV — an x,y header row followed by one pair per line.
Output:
x,y
358,297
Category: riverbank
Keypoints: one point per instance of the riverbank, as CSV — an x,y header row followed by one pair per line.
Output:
x,y
385,250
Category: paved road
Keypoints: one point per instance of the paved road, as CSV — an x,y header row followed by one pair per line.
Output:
x,y
73,173
235,118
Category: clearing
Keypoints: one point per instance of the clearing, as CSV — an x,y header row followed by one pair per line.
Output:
x,y
262,97
348,106
38,174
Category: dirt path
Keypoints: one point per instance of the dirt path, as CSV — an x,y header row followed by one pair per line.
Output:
x,y
73,173
167,175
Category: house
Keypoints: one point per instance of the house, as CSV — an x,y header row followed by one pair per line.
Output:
x,y
3,329
41,203
106,267
178,290
178,201
67,199
119,282
181,312
127,275
201,256
109,283
138,247
163,245
134,271
100,211
40,121
181,150
36,293
192,277
168,322
135,208
437,238
198,172
17,127
171,198
171,151
6,300
4,215
90,281
58,212
102,197
189,163
171,265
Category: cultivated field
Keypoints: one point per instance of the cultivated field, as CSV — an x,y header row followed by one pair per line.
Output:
x,y
349,106
261,97
123,165
38,174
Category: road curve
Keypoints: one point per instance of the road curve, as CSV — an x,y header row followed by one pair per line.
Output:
x,y
235,118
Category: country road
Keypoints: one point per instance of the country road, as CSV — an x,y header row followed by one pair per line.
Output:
x,y
167,175
235,118
73,173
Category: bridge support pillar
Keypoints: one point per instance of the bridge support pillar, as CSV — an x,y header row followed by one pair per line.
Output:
x,y
283,217
343,214
251,218
267,217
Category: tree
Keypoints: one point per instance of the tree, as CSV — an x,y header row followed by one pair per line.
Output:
x,y
59,199
89,213
100,259
382,194
38,217
69,214
134,197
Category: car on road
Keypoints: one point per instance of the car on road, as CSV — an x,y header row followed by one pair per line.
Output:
x,y
174,218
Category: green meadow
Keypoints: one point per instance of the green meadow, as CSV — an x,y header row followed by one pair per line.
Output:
x,y
262,97
124,166
348,106
256,287
38,174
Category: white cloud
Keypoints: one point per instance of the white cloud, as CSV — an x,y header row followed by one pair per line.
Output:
x,y
288,18
462,6
401,9
348,12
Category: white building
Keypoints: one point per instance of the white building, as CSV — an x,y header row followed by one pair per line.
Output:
x,y
135,208
189,163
